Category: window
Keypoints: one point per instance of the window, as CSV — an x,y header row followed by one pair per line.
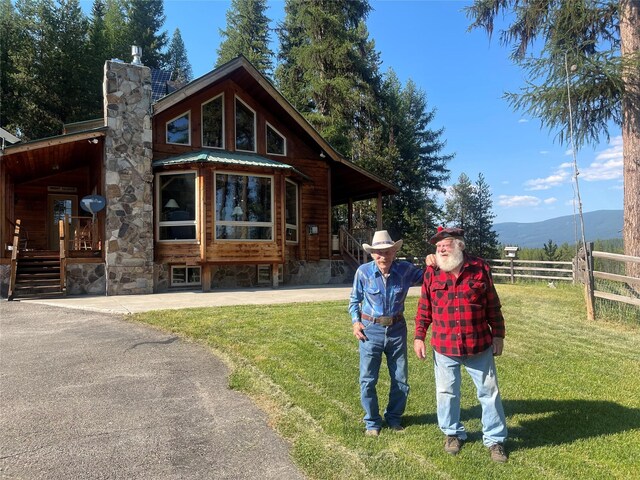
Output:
x,y
243,206
176,194
276,143
213,123
178,131
291,212
264,274
181,275
245,127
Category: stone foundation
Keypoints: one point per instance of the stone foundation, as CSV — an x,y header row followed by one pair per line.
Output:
x,y
86,278
235,276
5,273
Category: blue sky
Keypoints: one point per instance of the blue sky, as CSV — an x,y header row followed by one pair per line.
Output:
x,y
464,76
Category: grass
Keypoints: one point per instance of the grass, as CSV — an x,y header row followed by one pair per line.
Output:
x,y
570,387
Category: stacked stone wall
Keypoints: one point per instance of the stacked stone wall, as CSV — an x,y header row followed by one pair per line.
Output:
x,y
86,278
128,179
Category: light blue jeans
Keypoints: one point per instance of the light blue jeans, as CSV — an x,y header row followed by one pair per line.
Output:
x,y
392,342
482,369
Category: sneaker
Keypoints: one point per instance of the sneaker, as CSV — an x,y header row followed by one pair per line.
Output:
x,y
498,453
372,433
396,428
452,445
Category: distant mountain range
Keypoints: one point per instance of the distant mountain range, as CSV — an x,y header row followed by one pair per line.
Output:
x,y
598,225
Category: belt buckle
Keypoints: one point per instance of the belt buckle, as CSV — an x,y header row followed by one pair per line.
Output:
x,y
385,321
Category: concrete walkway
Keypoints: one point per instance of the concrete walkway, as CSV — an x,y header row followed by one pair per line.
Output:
x,y
191,299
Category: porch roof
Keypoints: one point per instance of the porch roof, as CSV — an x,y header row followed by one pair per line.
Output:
x,y
227,158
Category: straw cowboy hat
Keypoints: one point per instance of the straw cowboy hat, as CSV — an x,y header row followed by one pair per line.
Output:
x,y
443,233
381,241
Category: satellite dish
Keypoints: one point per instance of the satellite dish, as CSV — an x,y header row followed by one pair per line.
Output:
x,y
93,203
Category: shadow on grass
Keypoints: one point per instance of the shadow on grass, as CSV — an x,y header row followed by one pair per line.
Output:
x,y
551,422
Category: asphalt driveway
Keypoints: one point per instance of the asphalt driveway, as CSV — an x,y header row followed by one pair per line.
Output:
x,y
90,395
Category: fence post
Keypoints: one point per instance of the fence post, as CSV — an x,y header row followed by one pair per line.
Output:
x,y
589,284
512,272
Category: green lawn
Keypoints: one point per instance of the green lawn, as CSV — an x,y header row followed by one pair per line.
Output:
x,y
570,387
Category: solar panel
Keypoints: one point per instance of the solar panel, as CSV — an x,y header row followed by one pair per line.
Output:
x,y
159,79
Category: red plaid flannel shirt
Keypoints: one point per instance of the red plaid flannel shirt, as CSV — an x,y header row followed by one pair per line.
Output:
x,y
464,312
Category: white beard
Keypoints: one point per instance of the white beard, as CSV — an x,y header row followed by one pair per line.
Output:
x,y
451,261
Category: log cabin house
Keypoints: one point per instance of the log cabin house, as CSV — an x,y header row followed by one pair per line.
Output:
x,y
218,184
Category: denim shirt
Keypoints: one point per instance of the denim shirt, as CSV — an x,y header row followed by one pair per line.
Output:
x,y
373,296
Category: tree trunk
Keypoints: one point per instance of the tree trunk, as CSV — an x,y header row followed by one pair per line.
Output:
x,y
630,47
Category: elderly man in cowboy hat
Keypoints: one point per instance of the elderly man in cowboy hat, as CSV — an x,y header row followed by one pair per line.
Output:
x,y
376,306
460,303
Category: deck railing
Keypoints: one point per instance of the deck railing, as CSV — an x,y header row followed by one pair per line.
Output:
x,y
15,248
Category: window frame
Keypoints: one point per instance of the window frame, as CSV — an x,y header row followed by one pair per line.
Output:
x,y
186,283
177,223
288,225
221,96
187,113
266,140
235,124
233,223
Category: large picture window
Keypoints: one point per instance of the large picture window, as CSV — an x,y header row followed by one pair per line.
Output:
x,y
291,213
176,204
178,131
244,207
245,127
276,143
213,123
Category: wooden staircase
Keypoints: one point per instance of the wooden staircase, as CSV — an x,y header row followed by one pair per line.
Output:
x,y
37,275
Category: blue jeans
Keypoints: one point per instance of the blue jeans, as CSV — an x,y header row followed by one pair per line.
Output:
x,y
482,369
392,341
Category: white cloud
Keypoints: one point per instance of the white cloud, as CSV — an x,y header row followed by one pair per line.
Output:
x,y
544,152
608,163
509,201
558,178
550,200
523,120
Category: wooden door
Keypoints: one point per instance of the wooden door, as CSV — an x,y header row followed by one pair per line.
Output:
x,y
57,207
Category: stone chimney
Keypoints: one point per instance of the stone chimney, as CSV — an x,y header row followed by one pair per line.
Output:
x,y
128,179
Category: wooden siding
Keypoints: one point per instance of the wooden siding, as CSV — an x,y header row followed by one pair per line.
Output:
x,y
314,196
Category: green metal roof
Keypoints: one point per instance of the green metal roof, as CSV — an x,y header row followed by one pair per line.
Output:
x,y
226,158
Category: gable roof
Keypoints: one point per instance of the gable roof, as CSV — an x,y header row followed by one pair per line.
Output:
x,y
348,180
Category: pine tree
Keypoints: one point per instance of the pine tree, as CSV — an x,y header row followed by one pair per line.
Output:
x,y
551,251
599,43
328,68
8,43
99,52
177,61
247,33
145,18
116,31
469,206
412,159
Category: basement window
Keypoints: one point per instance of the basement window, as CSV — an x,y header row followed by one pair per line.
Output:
x,y
182,276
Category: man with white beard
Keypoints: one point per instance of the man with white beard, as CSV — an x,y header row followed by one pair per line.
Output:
x,y
460,303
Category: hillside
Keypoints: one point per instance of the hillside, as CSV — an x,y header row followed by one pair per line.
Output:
x,y
599,225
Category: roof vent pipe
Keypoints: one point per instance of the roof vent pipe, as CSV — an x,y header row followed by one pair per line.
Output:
x,y
137,54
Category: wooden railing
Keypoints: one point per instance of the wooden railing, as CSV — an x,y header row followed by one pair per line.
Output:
x,y
81,234
351,248
63,232
14,259
533,269
588,274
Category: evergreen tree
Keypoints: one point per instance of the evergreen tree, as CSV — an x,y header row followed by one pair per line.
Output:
x,y
328,68
145,18
177,61
99,52
247,34
411,159
599,42
470,207
115,28
8,43
551,251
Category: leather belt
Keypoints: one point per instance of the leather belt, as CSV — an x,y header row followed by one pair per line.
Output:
x,y
384,321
